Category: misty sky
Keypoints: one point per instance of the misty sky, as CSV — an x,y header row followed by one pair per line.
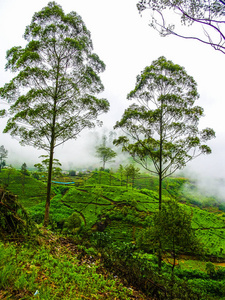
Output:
x,y
125,42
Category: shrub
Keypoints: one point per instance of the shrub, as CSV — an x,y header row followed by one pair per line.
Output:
x,y
210,270
72,223
101,239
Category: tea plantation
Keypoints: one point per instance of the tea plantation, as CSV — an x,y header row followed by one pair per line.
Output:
x,y
104,221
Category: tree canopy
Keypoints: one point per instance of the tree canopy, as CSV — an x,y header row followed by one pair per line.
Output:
x,y
54,91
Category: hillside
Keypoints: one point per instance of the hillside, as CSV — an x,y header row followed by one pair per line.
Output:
x,y
52,267
110,219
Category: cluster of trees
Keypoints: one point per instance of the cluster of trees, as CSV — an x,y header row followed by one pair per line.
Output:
x,y
130,172
54,98
43,167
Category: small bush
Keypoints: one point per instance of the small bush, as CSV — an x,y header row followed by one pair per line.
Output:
x,y
72,223
210,270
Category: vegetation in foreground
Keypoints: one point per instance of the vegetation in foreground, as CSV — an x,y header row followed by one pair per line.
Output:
x,y
52,267
105,229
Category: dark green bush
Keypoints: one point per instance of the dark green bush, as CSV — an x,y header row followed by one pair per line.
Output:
x,y
72,224
101,239
220,273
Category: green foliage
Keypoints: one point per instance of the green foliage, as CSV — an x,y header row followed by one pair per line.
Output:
x,y
53,94
52,29
208,287
133,207
34,193
101,239
174,228
106,154
210,269
131,172
170,232
59,212
54,273
103,178
162,129
43,167
60,189
24,170
141,270
118,222
72,223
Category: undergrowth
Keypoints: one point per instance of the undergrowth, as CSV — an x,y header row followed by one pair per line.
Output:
x,y
55,269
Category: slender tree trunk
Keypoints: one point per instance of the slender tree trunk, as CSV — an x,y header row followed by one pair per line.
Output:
x,y
51,152
49,183
160,188
160,191
160,162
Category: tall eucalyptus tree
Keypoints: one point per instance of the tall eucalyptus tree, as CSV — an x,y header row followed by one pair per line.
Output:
x,y
53,94
162,131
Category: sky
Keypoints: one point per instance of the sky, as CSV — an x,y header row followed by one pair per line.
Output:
x,y
127,44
